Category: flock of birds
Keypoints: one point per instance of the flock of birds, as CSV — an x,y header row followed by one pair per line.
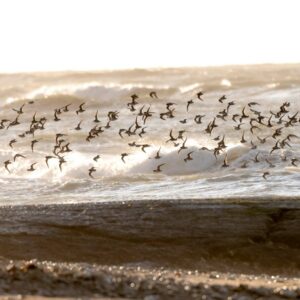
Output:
x,y
249,120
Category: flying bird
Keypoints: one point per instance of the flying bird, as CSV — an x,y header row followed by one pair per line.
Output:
x,y
158,168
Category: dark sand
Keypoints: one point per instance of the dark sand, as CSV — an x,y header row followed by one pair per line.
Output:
x,y
93,281
160,249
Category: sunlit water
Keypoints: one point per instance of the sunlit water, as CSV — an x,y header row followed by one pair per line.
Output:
x,y
200,178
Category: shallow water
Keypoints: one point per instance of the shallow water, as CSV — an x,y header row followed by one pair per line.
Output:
x,y
200,178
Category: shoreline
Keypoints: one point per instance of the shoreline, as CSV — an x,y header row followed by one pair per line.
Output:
x,y
278,201
254,236
180,249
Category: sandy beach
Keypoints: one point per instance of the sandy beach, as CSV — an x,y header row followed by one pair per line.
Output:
x,y
152,249
41,280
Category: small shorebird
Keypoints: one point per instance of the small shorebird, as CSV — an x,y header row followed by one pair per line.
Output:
x,y
96,120
157,156
91,171
190,102
123,155
158,169
78,126
225,163
199,94
6,164
80,109
33,143
96,157
31,167
18,155
265,174
47,159
222,99
189,157
153,94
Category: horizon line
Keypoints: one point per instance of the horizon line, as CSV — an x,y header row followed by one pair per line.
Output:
x,y
131,69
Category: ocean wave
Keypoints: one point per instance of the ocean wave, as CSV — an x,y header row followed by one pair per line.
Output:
x,y
202,160
92,91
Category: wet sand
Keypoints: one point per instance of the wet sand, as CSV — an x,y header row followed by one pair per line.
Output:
x,y
71,280
158,245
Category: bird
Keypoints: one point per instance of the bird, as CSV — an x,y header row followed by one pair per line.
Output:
x,y
157,156
153,94
190,102
96,157
142,132
12,142
121,131
96,120
6,164
169,104
183,147
32,167
265,174
199,94
250,104
235,116
134,97
158,168
56,118
144,147
59,135
91,171
222,99
238,127
66,107
18,155
123,155
61,162
262,140
14,123
254,127
180,134
20,110
275,147
269,122
189,157
33,143
293,162
78,127
256,160
172,138
80,109
47,159
204,149
198,119
225,163
243,138
244,116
